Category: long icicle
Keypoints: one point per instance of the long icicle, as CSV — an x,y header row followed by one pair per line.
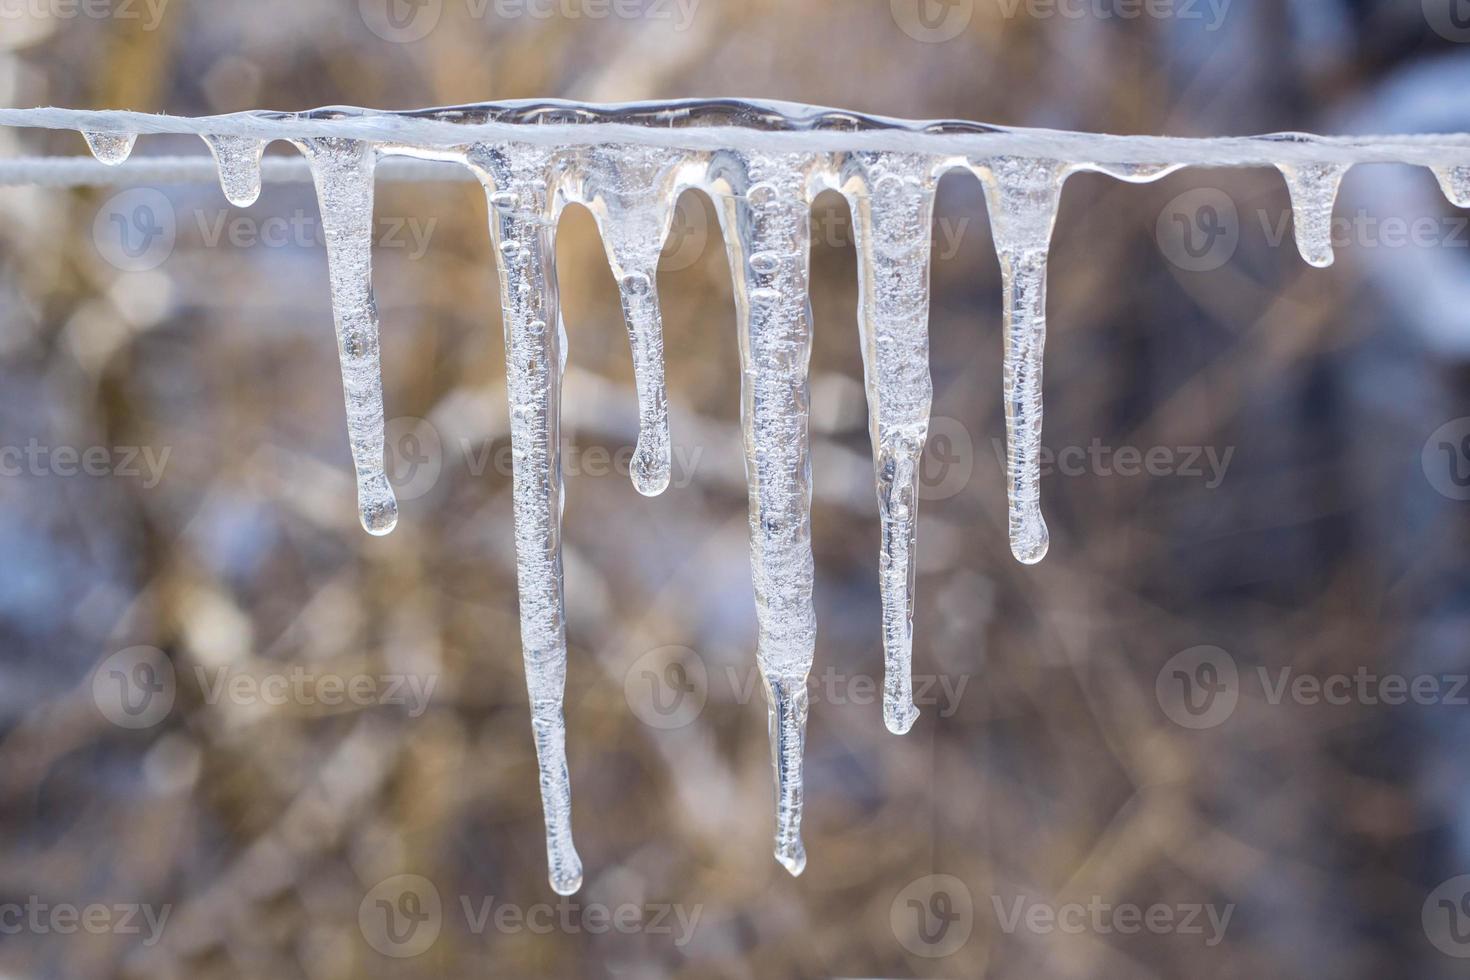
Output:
x,y
764,211
892,202
524,236
1022,195
343,173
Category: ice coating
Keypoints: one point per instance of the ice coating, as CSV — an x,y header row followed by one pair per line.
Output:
x,y
892,202
522,210
1313,190
761,163
111,148
1022,195
238,159
343,173
764,203
1455,182
631,192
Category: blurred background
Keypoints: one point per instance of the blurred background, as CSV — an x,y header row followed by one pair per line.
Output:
x,y
1217,733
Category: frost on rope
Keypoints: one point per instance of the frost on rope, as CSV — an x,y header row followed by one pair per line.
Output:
x,y
762,164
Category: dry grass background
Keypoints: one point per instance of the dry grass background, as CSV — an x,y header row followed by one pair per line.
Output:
x,y
1056,776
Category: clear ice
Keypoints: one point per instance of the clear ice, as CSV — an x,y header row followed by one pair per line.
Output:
x,y
761,164
343,173
1313,189
111,148
238,159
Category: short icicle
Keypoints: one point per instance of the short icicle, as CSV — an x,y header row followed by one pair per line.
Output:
x,y
1022,195
892,202
238,159
764,210
629,191
111,148
343,173
1313,188
1455,182
523,233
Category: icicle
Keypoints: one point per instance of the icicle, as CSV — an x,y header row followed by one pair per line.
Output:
x,y
343,173
892,201
1455,182
524,236
629,191
1022,195
764,211
238,158
111,148
1313,188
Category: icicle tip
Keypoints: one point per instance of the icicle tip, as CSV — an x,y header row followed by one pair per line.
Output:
x,y
900,717
792,858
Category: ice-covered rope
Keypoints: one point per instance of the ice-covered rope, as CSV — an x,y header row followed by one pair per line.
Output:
x,y
761,164
771,126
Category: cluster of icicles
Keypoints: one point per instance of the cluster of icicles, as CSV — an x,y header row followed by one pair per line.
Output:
x,y
628,165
